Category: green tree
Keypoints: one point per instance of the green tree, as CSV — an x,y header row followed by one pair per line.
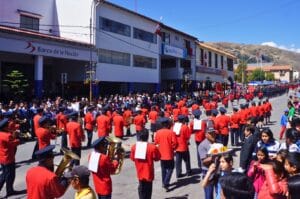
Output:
x,y
270,76
17,83
240,72
257,75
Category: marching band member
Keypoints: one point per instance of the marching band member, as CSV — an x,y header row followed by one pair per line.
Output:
x,y
8,146
102,167
41,181
76,135
182,150
167,143
61,122
139,121
153,115
89,123
36,125
103,124
118,124
144,154
222,126
127,116
43,133
198,128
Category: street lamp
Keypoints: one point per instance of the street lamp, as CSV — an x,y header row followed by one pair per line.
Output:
x,y
244,66
91,70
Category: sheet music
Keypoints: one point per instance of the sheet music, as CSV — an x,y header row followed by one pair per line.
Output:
x,y
140,150
177,127
197,124
94,161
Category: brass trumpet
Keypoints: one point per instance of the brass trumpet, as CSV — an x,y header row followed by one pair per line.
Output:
x,y
115,149
64,163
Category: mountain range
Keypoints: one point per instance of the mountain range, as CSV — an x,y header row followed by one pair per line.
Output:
x,y
249,52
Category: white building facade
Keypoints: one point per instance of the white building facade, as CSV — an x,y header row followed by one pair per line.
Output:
x,y
45,39
213,64
128,50
51,52
178,52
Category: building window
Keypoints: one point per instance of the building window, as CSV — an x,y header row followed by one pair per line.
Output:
x,y
222,62
144,35
144,62
168,63
209,59
282,73
229,64
166,37
185,63
216,60
113,57
31,23
115,27
201,56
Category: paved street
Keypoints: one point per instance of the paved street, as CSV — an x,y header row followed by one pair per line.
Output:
x,y
125,184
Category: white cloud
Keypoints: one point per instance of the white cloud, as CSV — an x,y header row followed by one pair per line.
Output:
x,y
275,45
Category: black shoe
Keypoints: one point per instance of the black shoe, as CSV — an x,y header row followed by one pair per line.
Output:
x,y
189,173
180,176
14,192
166,188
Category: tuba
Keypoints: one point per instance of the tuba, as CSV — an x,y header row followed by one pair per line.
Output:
x,y
114,149
64,163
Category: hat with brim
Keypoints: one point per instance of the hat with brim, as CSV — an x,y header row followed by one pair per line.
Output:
x,y
197,113
79,172
214,112
181,117
163,120
222,110
210,130
45,153
99,141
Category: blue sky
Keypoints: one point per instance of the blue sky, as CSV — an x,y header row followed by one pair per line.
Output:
x,y
272,22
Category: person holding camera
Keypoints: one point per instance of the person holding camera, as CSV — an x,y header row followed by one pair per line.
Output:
x,y
203,148
223,165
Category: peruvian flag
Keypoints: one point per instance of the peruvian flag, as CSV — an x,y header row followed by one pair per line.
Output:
x,y
158,29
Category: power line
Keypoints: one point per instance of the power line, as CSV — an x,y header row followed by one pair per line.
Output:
x,y
87,34
51,25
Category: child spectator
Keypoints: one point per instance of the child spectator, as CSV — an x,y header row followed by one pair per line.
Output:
x,y
267,140
211,177
283,123
255,172
275,185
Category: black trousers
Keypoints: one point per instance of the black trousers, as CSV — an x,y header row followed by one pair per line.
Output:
x,y
64,140
7,176
145,189
77,151
234,135
90,137
104,196
241,132
223,139
167,167
185,156
198,157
